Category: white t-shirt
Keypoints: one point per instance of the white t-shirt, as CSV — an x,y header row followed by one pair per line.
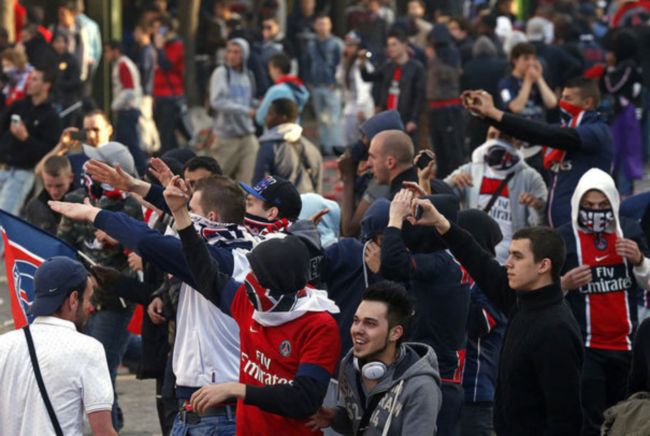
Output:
x,y
75,374
500,211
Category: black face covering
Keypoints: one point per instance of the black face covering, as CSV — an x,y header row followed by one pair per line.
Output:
x,y
499,158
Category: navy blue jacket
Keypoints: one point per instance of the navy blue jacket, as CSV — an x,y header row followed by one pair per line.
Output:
x,y
345,275
441,291
485,329
587,146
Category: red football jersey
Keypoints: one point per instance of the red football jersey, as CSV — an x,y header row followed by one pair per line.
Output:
x,y
272,355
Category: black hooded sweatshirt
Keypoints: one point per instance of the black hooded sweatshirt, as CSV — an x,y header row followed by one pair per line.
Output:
x,y
541,357
417,257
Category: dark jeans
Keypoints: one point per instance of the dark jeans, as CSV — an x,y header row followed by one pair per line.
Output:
x,y
126,132
109,328
603,383
169,117
446,130
208,426
453,397
476,419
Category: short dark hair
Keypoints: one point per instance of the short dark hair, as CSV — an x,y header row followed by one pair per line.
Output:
x,y
400,309
98,112
522,49
545,243
56,166
223,195
588,88
203,162
71,5
49,75
463,23
281,61
80,288
114,44
285,107
398,34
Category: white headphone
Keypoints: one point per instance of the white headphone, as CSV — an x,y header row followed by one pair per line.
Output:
x,y
371,370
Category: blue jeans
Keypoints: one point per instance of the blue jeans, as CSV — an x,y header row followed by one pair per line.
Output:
x,y
209,426
15,185
126,132
109,328
327,106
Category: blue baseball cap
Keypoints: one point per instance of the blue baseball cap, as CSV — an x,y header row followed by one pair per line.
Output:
x,y
279,192
53,281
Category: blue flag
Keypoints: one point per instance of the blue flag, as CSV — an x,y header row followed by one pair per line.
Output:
x,y
26,248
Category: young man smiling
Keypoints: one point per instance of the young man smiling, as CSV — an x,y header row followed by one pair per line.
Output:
x,y
537,386
386,386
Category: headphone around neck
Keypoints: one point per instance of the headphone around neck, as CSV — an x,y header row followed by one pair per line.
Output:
x,y
370,370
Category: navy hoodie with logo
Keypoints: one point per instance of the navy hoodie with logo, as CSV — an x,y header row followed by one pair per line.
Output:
x,y
587,145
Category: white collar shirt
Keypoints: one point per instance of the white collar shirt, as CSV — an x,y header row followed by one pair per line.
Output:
x,y
75,374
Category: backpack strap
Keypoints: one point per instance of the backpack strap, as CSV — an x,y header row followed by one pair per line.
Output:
x,y
39,380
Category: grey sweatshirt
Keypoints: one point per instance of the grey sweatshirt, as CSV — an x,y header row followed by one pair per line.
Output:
x,y
411,396
231,96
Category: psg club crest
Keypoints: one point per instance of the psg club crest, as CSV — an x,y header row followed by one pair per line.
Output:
x,y
23,275
285,348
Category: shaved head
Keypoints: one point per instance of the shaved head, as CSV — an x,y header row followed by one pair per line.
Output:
x,y
390,153
397,144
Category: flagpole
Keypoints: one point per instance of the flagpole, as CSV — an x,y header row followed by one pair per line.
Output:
x,y
91,262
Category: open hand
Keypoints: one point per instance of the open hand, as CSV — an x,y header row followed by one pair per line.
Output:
x,y
160,170
115,177
75,211
212,395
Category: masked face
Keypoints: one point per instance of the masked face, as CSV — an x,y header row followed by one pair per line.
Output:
x,y
569,112
499,157
595,220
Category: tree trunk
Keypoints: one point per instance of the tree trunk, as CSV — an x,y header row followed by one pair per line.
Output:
x,y
189,22
7,18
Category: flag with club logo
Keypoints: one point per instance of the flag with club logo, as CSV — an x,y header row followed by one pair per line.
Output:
x,y
26,248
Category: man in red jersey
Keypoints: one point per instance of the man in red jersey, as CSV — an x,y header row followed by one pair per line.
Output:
x,y
289,342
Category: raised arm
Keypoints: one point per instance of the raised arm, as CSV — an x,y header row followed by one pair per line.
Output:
x,y
534,132
209,277
488,274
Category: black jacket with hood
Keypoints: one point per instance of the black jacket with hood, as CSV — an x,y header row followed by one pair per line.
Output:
x,y
417,257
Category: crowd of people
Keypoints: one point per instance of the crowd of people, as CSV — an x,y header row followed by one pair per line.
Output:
x,y
480,266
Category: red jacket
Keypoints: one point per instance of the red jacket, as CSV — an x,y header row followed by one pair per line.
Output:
x,y
170,70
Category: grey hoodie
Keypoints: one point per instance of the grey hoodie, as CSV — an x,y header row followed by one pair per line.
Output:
x,y
411,395
284,152
526,179
231,97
